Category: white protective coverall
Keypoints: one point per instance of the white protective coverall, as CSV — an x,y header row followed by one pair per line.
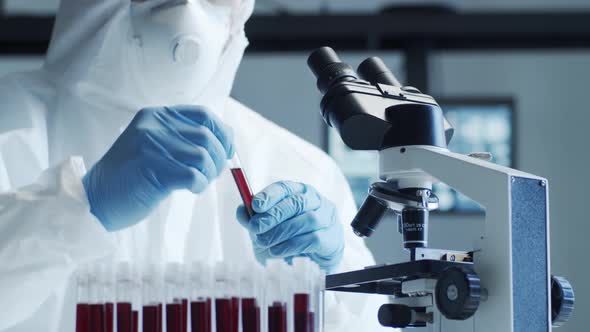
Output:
x,y
57,121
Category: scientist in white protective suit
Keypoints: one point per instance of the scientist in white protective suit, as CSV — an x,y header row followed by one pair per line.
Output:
x,y
117,150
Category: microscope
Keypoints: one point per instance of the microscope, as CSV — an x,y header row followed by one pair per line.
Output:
x,y
504,284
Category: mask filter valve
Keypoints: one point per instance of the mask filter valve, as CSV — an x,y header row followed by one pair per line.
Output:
x,y
185,51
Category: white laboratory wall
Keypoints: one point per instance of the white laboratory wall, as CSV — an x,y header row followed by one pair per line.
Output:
x,y
11,64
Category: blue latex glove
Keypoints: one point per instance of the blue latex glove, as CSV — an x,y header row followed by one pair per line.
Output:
x,y
162,149
293,219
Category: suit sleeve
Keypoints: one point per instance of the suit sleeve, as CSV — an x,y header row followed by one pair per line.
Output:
x,y
46,232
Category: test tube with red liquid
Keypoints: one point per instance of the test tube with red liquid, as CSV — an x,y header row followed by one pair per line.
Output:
x,y
126,285
201,291
152,309
227,301
303,316
251,314
175,306
136,320
277,296
277,317
82,305
185,319
109,296
241,180
307,299
97,304
201,285
251,294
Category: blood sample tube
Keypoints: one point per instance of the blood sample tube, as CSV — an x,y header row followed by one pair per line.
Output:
x,y
96,307
241,180
251,294
302,314
108,295
174,305
137,303
126,285
135,320
227,301
109,308
152,313
186,295
201,285
303,300
82,305
308,295
276,296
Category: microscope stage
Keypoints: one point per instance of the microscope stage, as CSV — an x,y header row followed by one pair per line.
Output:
x,y
387,279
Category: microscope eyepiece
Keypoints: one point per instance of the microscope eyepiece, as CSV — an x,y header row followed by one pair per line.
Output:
x,y
376,71
329,69
320,58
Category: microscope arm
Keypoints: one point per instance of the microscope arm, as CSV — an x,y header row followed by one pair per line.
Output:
x,y
473,177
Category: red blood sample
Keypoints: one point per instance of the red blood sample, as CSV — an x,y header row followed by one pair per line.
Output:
x,y
82,317
277,317
124,317
235,313
201,316
160,317
109,317
209,314
96,318
135,321
184,315
244,189
301,307
223,315
250,315
174,317
152,318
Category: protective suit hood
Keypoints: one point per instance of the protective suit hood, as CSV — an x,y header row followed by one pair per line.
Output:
x,y
118,56
150,50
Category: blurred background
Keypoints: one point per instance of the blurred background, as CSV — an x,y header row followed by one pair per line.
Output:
x,y
511,75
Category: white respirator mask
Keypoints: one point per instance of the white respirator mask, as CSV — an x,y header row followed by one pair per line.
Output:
x,y
178,45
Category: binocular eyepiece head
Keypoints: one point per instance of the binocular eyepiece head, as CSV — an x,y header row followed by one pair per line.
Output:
x,y
329,70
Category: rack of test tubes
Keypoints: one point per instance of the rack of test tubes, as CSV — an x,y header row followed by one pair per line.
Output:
x,y
201,298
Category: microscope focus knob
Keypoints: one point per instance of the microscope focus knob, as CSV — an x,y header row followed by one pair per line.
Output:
x,y
458,293
562,301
